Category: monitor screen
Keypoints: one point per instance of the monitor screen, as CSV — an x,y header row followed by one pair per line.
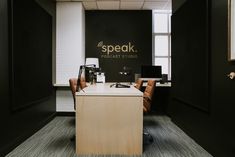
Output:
x,y
151,71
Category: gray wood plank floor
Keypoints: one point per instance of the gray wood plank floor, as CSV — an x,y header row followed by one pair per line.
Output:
x,y
53,140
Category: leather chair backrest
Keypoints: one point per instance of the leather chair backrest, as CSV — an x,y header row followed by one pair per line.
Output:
x,y
74,88
148,95
73,83
139,84
82,83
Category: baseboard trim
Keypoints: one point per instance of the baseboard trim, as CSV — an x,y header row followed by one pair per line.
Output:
x,y
8,148
69,114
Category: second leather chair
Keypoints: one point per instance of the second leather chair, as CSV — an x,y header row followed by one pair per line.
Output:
x,y
147,102
148,95
139,84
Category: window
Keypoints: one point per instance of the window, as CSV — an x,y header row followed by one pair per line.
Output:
x,y
162,40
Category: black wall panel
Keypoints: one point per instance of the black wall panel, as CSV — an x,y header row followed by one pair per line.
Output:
x,y
18,125
213,130
177,4
190,50
129,31
31,57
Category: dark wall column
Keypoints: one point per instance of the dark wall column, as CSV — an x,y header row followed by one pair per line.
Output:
x,y
213,130
18,125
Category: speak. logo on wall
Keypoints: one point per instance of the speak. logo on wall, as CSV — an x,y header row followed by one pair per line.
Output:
x,y
127,50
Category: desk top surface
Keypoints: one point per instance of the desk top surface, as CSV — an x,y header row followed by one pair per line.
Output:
x,y
145,83
104,89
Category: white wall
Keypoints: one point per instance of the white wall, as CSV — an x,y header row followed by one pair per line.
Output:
x,y
70,49
64,101
70,37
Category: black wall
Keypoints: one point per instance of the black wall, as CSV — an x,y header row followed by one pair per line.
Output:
x,y
19,125
31,53
213,130
190,41
130,28
177,4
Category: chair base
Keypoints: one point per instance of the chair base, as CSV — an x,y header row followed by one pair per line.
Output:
x,y
72,139
147,138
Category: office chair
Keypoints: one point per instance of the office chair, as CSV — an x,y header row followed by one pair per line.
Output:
x,y
82,83
148,95
147,102
139,84
74,89
73,83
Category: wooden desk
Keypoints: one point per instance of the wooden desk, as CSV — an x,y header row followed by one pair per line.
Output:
x,y
159,84
109,121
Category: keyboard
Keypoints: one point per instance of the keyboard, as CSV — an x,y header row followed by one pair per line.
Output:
x,y
119,85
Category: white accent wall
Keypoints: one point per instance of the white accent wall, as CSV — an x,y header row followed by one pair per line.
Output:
x,y
70,50
64,100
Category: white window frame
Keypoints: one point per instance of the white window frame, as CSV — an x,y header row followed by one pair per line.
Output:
x,y
168,34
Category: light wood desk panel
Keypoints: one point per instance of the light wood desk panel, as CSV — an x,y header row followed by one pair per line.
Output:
x,y
109,122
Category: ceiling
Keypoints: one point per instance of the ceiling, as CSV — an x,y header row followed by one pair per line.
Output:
x,y
124,4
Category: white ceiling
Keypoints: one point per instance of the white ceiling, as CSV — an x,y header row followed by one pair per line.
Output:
x,y
124,4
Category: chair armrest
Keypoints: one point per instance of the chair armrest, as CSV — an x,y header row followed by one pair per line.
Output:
x,y
147,98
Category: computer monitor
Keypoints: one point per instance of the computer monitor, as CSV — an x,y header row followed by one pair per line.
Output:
x,y
151,71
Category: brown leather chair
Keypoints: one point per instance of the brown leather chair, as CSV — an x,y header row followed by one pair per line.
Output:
x,y
73,83
82,83
139,84
147,102
148,95
74,89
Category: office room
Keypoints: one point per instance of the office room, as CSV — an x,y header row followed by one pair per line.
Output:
x,y
152,78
